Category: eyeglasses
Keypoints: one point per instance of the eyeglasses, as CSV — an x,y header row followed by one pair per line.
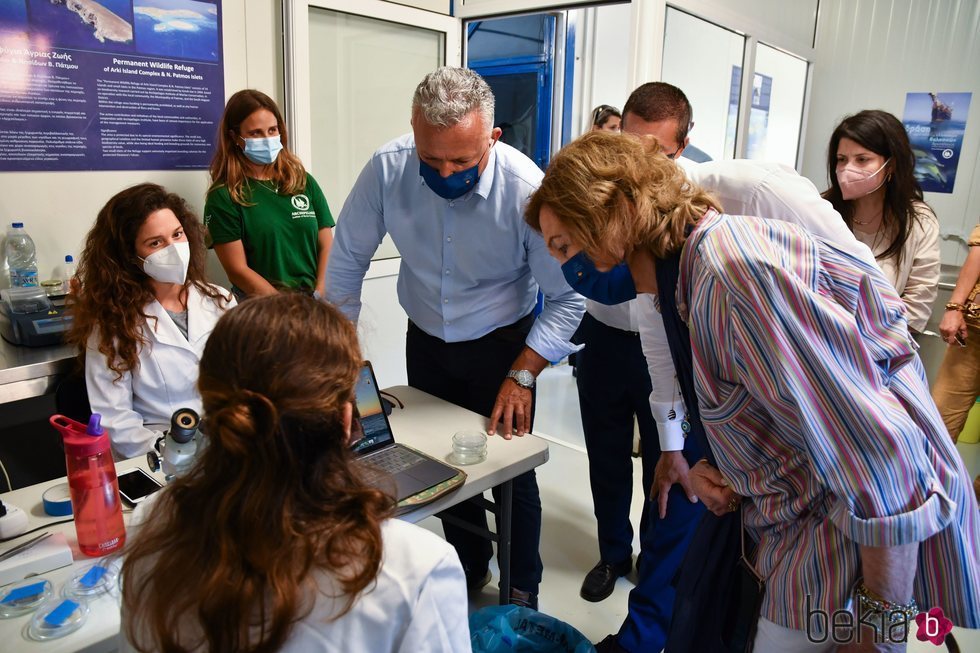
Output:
x,y
672,155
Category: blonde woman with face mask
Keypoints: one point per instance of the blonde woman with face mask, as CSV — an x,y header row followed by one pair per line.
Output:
x,y
870,166
142,314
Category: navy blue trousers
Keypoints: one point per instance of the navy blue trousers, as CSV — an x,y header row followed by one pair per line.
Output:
x,y
469,374
614,385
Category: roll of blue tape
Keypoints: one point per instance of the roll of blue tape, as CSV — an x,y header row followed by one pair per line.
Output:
x,y
57,500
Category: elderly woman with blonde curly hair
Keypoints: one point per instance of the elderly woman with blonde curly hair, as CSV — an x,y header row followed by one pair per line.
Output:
x,y
812,398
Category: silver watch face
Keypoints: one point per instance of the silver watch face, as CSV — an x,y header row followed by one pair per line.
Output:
x,y
523,377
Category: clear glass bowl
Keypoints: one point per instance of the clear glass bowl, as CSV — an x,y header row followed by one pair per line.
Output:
x,y
469,447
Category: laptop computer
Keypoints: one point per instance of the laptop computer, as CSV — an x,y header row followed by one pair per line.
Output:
x,y
373,443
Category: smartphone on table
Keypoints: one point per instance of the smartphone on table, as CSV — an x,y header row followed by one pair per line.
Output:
x,y
135,485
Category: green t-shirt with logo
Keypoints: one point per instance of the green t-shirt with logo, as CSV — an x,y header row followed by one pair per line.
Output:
x,y
279,232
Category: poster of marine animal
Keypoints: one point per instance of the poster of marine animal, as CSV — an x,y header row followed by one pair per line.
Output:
x,y
936,123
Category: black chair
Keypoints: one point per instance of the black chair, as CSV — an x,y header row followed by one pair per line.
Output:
x,y
71,397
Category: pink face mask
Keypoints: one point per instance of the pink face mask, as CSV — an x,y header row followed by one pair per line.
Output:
x,y
855,183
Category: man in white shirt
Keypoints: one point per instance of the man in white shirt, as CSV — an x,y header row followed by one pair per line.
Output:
x,y
614,386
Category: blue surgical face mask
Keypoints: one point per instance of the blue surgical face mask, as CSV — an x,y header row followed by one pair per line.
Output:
x,y
456,184
453,186
613,287
262,151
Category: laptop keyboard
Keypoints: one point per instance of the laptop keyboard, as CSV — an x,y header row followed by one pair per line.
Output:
x,y
390,461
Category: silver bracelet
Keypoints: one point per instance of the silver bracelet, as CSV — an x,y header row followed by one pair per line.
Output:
x,y
893,612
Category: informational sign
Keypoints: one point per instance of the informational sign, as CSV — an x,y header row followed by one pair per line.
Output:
x,y
936,123
109,84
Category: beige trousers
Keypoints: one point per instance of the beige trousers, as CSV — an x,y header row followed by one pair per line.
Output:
x,y
958,383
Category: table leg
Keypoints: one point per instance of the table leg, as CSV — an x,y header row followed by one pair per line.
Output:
x,y
503,515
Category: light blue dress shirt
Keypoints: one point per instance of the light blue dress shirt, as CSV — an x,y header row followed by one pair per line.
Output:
x,y
469,265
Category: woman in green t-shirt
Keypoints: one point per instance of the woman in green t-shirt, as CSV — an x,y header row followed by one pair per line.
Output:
x,y
267,217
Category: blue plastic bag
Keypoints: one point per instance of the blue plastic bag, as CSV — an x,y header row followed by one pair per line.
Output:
x,y
505,628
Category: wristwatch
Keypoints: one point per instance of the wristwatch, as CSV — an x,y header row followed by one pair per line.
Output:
x,y
523,378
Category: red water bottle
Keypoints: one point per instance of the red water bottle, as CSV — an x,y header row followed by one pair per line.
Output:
x,y
94,488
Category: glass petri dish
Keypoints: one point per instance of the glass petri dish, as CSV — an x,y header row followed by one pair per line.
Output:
x,y
23,597
56,618
469,447
91,581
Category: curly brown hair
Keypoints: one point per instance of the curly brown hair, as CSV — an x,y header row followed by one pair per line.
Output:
x,y
272,499
229,167
113,290
617,192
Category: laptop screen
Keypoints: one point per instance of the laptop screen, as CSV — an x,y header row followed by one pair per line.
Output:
x,y
370,429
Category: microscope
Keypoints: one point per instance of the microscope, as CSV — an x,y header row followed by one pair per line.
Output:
x,y
176,450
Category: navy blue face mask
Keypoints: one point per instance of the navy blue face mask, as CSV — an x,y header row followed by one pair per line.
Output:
x,y
456,184
453,186
613,287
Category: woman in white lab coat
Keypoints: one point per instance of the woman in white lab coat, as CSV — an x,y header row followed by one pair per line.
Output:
x,y
273,541
142,314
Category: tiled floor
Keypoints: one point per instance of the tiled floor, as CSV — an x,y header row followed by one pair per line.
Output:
x,y
568,539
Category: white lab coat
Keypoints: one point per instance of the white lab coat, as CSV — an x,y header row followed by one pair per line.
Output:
x,y
136,409
417,602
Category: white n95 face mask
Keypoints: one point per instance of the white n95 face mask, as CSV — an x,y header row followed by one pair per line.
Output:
x,y
169,265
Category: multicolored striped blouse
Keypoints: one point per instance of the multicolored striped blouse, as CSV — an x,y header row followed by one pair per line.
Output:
x,y
817,408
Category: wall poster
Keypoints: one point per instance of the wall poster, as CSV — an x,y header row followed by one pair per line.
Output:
x,y
109,84
936,123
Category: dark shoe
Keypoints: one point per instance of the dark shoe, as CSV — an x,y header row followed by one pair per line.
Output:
x,y
476,581
609,645
599,582
523,599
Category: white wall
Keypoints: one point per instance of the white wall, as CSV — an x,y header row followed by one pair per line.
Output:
x,y
869,54
58,208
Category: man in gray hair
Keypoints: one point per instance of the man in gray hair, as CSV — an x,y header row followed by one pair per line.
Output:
x,y
452,197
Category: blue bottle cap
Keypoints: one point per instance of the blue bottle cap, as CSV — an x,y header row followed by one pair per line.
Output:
x,y
69,259
95,425
17,225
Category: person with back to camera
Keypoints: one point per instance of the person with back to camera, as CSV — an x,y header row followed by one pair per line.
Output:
x,y
870,167
142,314
267,217
821,427
278,542
606,118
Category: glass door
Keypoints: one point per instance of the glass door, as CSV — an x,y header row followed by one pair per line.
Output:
x,y
362,62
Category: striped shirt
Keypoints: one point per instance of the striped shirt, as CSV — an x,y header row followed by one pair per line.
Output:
x,y
817,408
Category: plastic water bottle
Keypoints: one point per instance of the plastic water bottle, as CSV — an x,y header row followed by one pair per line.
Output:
x,y
94,489
21,257
69,280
